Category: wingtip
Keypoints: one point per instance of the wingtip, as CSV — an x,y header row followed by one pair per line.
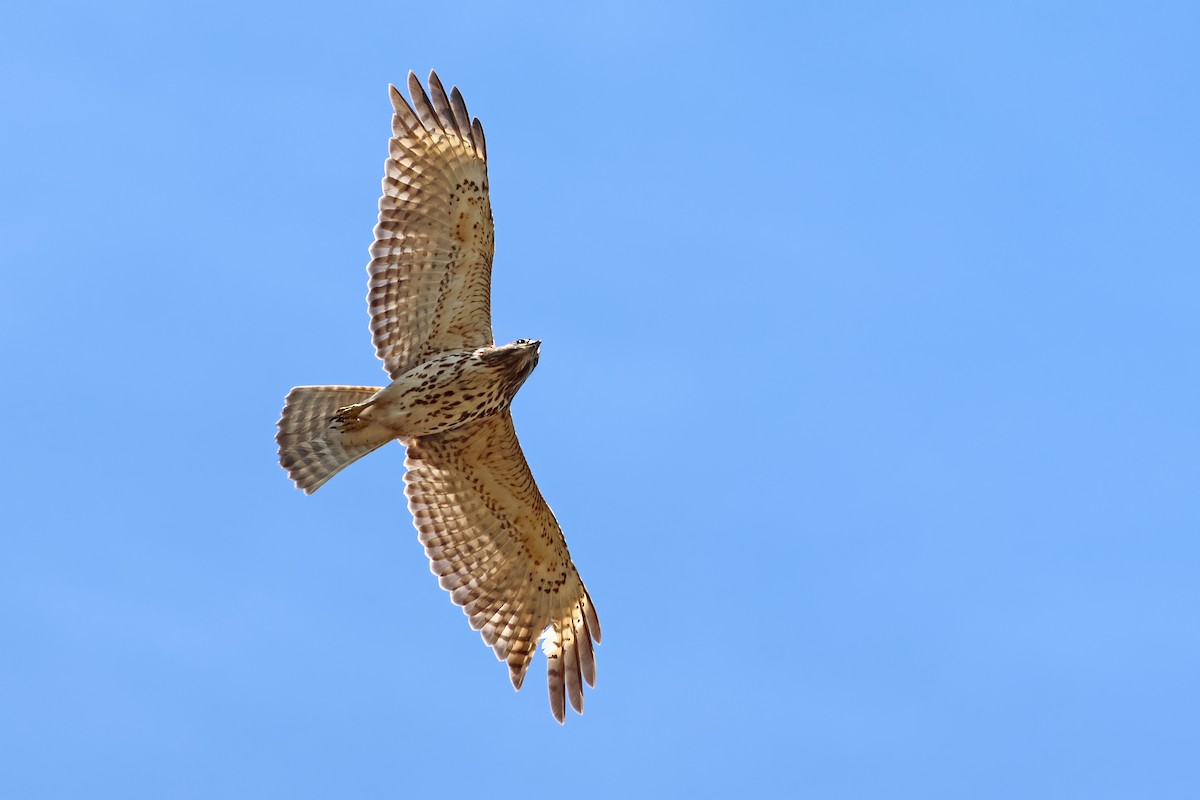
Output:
x,y
559,710
517,676
555,682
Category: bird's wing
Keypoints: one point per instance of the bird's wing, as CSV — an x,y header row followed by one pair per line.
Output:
x,y
431,262
497,548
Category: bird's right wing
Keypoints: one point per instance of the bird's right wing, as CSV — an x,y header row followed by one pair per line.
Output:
x,y
431,263
496,547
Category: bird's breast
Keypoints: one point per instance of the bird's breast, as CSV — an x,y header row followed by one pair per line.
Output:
x,y
437,397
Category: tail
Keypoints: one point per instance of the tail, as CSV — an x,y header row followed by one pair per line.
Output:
x,y
311,448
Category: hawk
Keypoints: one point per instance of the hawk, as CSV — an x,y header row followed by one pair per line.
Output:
x,y
490,536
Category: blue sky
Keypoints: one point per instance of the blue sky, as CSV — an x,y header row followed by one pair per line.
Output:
x,y
867,400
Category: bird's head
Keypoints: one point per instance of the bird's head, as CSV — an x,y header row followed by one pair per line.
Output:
x,y
515,359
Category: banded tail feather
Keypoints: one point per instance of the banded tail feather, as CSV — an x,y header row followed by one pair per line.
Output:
x,y
311,448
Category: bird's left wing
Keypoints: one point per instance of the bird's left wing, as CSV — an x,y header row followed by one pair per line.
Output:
x,y
431,263
496,547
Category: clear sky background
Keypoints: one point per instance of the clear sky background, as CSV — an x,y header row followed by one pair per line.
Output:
x,y
868,399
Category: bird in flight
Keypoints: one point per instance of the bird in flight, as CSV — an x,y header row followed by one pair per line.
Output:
x,y
490,536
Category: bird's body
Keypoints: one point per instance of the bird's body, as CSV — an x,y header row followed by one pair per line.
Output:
x,y
489,534
441,394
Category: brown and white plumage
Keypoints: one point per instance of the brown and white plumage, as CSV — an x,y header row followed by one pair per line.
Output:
x,y
490,536
431,265
309,449
497,548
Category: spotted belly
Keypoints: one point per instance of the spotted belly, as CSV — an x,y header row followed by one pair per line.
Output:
x,y
442,394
